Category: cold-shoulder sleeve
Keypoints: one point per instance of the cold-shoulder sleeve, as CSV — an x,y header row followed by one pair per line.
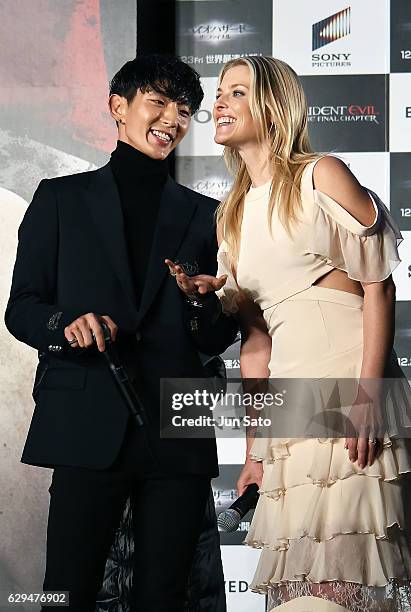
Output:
x,y
367,253
229,294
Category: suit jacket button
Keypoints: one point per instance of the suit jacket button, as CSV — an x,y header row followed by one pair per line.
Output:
x,y
54,348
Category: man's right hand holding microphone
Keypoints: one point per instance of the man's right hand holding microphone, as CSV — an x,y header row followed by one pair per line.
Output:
x,y
86,330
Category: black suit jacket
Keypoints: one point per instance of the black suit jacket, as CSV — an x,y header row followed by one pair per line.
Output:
x,y
72,260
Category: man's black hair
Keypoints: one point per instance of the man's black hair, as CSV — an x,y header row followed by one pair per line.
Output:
x,y
165,74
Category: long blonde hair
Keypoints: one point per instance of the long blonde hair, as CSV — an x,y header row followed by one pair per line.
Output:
x,y
278,107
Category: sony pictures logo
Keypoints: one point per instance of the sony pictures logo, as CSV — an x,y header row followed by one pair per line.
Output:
x,y
353,113
328,31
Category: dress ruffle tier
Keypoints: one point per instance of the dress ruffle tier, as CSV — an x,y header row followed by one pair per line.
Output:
x,y
317,523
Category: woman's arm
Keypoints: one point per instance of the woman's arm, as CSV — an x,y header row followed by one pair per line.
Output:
x,y
255,355
255,341
379,324
378,336
333,178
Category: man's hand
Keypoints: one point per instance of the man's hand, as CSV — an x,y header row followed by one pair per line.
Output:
x,y
80,332
195,286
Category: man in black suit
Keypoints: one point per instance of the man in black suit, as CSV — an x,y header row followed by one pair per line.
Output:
x,y
92,248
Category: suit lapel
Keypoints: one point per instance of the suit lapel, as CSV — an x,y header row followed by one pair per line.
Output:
x,y
174,216
104,203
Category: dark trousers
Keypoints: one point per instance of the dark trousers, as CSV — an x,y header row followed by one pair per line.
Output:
x,y
85,511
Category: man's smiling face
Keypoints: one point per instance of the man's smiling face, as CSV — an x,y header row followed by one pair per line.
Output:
x,y
152,123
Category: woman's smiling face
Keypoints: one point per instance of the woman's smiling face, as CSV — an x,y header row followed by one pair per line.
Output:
x,y
232,116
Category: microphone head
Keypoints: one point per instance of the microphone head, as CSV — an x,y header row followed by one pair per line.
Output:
x,y
228,520
106,331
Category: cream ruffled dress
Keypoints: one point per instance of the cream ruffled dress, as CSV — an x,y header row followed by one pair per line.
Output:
x,y
326,527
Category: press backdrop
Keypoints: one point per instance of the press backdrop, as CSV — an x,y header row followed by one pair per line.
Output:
x,y
56,59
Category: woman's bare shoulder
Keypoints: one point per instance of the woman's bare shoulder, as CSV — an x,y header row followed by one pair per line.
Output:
x,y
333,177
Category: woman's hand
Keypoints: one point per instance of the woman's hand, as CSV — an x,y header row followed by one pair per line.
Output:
x,y
252,472
365,435
195,286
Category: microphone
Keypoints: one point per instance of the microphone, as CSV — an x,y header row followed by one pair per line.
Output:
x,y
229,520
133,401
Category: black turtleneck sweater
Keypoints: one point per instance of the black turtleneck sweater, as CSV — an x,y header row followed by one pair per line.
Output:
x,y
140,181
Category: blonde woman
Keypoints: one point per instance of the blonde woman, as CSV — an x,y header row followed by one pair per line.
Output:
x,y
307,254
